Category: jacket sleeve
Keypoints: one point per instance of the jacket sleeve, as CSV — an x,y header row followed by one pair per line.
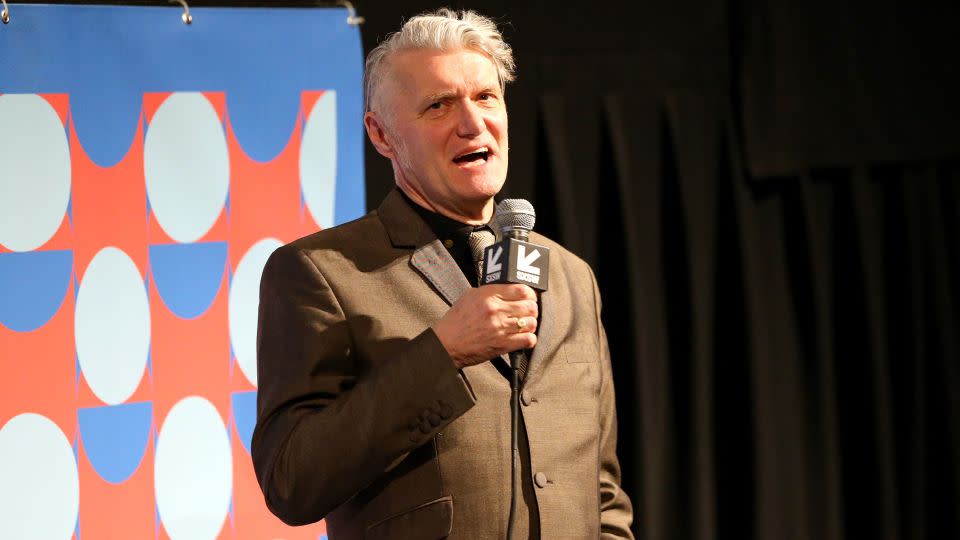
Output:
x,y
327,425
616,511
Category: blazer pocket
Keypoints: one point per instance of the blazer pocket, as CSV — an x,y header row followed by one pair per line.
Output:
x,y
429,521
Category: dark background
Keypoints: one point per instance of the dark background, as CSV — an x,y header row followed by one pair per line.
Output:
x,y
768,192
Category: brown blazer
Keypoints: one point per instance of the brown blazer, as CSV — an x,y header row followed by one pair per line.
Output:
x,y
362,418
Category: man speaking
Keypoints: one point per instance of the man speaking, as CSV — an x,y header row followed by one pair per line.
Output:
x,y
384,398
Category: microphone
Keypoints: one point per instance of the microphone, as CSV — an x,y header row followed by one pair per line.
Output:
x,y
514,259
515,218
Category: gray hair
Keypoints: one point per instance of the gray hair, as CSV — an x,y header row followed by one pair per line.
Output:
x,y
443,29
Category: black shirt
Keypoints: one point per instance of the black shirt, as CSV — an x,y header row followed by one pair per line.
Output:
x,y
454,235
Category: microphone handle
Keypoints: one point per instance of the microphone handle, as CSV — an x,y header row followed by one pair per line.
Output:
x,y
517,358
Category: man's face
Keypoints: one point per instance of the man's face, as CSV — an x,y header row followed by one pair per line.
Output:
x,y
441,119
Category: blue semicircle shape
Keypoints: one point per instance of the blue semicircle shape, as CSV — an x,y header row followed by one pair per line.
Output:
x,y
115,438
105,112
263,117
188,276
245,415
33,285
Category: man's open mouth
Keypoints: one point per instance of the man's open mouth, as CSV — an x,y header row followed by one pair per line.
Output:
x,y
470,157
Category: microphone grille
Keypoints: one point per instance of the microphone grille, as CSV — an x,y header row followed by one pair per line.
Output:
x,y
515,214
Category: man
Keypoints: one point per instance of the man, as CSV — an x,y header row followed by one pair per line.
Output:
x,y
383,397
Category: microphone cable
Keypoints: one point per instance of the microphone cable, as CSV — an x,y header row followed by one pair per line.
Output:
x,y
514,437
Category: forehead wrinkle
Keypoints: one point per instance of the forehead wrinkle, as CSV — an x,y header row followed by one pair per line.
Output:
x,y
444,85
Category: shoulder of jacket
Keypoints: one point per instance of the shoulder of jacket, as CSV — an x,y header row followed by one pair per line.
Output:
x,y
364,228
560,254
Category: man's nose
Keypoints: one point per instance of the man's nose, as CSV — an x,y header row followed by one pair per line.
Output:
x,y
471,121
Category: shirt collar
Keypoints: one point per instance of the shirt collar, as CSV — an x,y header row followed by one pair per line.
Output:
x,y
449,231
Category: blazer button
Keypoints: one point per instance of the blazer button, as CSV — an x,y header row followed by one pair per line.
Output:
x,y
540,479
525,397
446,410
435,419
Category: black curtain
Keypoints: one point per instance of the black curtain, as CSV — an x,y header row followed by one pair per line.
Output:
x,y
769,194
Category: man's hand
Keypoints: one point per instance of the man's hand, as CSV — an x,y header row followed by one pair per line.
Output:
x,y
489,321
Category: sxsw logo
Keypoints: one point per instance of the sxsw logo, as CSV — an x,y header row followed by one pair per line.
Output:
x,y
516,261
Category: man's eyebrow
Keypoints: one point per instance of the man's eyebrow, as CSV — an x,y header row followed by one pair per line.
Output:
x,y
450,94
439,96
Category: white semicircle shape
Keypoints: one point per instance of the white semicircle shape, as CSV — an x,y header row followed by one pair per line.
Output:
x,y
318,159
186,166
36,174
40,487
193,471
244,305
112,326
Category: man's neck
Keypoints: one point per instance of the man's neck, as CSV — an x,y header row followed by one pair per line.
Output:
x,y
480,217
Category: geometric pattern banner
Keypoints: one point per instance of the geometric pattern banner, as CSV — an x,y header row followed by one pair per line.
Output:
x,y
148,168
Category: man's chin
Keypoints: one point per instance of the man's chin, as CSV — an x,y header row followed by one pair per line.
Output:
x,y
474,205
482,187
480,197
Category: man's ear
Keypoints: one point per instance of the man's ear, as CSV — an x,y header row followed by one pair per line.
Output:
x,y
378,134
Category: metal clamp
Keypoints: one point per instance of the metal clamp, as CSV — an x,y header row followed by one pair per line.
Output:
x,y
352,18
187,18
5,14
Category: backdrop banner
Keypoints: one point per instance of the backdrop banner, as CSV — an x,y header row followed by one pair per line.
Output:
x,y
148,168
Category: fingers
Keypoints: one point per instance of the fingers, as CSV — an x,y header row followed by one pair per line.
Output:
x,y
518,325
521,308
518,341
514,291
518,316
521,324
488,321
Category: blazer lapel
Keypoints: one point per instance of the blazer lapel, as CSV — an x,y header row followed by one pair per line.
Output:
x,y
435,264
554,317
429,258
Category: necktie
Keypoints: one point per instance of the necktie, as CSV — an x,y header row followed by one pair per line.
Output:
x,y
479,240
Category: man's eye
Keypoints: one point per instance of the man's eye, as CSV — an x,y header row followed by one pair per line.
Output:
x,y
435,106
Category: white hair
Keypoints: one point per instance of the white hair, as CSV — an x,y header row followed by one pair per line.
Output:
x,y
442,30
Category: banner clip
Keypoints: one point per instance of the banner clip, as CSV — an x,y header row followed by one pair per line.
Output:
x,y
187,18
352,18
5,14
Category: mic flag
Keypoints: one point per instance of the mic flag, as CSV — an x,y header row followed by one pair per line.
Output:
x,y
514,259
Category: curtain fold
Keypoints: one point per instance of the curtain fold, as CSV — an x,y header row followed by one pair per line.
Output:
x,y
632,243
785,349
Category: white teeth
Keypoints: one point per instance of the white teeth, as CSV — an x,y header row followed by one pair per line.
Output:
x,y
484,150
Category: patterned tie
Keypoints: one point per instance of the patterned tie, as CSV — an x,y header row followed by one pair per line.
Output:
x,y
479,240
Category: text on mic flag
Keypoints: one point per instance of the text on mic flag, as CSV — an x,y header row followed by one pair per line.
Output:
x,y
515,261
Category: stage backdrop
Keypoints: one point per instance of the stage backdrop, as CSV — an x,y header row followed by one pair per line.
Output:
x,y
148,168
